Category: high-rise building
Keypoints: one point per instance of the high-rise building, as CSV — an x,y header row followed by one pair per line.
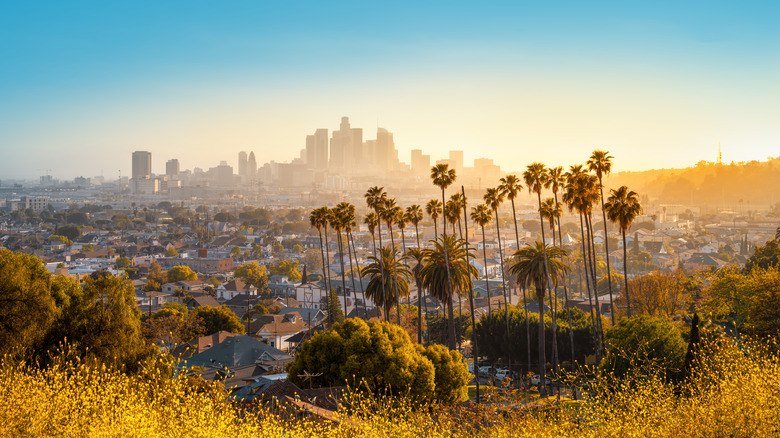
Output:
x,y
142,171
242,166
251,167
172,167
142,165
421,164
385,156
317,150
346,147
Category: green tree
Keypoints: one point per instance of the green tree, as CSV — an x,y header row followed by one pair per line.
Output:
x,y
60,239
27,308
333,308
235,251
217,319
288,268
443,177
601,163
644,345
764,257
181,273
122,262
254,274
381,358
171,252
100,321
72,232
156,273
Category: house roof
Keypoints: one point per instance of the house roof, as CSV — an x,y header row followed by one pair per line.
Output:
x,y
235,351
277,325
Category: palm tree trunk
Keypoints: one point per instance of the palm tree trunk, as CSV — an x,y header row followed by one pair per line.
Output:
x,y
585,261
566,292
419,292
408,297
395,279
343,277
554,310
379,234
327,273
625,274
471,298
527,328
357,265
606,249
352,274
542,355
503,284
592,253
447,267
460,301
484,257
541,295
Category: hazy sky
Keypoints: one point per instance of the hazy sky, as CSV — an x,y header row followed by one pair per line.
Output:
x,y
83,84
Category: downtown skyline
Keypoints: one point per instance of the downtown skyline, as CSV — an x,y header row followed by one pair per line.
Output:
x,y
657,86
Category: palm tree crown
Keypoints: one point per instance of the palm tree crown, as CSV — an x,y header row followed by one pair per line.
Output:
x,y
623,207
389,277
442,176
434,272
528,265
510,186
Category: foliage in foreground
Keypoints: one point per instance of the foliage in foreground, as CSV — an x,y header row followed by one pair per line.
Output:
x,y
734,392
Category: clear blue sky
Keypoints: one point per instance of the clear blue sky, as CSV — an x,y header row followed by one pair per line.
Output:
x,y
82,84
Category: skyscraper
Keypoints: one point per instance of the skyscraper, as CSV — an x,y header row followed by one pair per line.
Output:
x,y
317,150
421,163
346,147
251,167
172,167
142,165
242,166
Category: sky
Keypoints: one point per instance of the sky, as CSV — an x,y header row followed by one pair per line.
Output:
x,y
658,84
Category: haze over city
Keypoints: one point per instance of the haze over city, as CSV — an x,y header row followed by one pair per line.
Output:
x,y
660,85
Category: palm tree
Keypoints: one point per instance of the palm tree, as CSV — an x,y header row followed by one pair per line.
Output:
x,y
494,197
319,220
622,208
579,195
418,256
474,343
538,265
348,216
455,205
388,274
443,177
337,222
375,197
510,187
433,208
389,212
552,211
447,272
601,163
400,221
371,222
481,215
555,182
414,216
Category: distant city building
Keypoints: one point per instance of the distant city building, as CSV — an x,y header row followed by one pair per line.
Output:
x,y
35,203
223,174
317,150
172,167
421,164
346,147
251,167
456,158
142,172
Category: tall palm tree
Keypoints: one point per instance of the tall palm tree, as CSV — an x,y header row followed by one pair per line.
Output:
x,y
482,215
400,222
510,186
579,195
447,272
455,205
433,208
389,212
319,220
375,197
337,222
552,211
443,177
494,197
371,222
622,208
474,343
538,265
418,256
555,182
348,216
601,163
414,216
388,274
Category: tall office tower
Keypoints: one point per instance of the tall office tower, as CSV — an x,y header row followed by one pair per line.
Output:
x,y
172,167
317,150
242,166
251,167
142,172
346,147
385,155
142,165
421,164
457,160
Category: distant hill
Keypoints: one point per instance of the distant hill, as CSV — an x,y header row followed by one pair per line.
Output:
x,y
743,186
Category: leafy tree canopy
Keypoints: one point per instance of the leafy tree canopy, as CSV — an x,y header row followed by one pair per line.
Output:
x,y
253,274
764,257
288,268
180,273
381,358
219,318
